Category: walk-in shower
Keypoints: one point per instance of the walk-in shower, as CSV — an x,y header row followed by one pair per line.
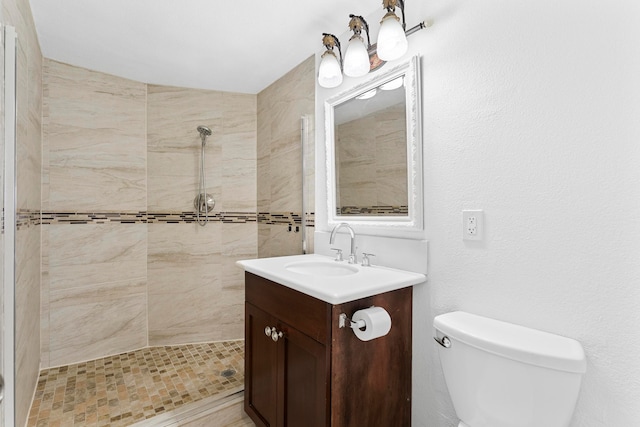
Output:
x,y
203,202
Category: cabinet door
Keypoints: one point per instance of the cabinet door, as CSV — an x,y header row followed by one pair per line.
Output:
x,y
304,380
260,363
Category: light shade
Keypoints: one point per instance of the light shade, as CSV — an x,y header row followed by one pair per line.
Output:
x,y
392,41
329,72
356,59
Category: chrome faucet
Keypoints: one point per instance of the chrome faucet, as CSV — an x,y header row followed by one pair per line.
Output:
x,y
352,256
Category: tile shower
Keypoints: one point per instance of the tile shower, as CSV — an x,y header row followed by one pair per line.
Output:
x,y
123,264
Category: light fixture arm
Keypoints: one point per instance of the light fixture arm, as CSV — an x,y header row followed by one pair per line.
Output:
x,y
329,41
356,25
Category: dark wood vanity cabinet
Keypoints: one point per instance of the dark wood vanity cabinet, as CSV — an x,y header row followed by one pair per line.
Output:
x,y
317,374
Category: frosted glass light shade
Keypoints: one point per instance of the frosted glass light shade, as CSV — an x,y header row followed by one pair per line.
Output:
x,y
329,72
392,41
356,59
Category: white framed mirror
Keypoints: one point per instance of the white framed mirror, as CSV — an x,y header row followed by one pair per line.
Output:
x,y
374,151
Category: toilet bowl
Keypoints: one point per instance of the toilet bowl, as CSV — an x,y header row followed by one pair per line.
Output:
x,y
504,375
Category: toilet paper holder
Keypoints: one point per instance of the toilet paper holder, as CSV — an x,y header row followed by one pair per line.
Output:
x,y
342,322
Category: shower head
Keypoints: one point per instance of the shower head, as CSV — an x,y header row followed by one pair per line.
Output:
x,y
204,131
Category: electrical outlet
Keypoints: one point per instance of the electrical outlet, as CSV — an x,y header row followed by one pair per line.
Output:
x,y
472,225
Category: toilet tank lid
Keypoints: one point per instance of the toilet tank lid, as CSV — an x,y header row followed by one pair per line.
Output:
x,y
513,341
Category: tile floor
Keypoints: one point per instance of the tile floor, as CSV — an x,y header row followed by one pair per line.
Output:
x,y
126,388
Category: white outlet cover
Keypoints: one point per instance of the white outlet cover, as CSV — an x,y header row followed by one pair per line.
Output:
x,y
472,225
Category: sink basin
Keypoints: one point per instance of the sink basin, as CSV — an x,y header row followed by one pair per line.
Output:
x,y
321,268
334,282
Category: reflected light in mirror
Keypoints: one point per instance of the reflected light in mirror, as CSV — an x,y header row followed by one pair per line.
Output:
x,y
368,94
393,84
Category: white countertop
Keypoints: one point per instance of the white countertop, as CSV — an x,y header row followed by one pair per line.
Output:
x,y
362,283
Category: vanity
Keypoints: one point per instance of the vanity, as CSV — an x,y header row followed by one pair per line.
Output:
x,y
308,363
301,367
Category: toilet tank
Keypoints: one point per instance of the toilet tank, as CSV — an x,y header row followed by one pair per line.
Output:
x,y
505,375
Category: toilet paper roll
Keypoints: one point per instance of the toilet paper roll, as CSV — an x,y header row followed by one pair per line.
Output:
x,y
377,323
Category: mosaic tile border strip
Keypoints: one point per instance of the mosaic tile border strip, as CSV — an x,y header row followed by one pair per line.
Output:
x,y
373,210
93,217
285,218
125,388
26,218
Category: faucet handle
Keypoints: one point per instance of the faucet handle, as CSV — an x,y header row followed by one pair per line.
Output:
x,y
338,254
353,258
366,262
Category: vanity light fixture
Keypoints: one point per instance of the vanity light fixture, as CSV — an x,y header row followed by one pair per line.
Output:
x,y
361,58
356,58
330,70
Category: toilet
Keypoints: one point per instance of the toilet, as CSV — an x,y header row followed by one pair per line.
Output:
x,y
504,375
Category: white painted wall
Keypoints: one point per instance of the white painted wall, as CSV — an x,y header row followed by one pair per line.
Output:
x,y
532,113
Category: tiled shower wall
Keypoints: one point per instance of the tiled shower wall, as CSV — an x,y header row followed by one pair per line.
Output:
x,y
196,292
94,275
17,13
123,265
280,107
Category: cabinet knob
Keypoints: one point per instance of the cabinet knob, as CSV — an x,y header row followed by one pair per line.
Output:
x,y
272,332
275,335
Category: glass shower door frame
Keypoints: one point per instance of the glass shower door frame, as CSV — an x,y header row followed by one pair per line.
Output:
x,y
7,299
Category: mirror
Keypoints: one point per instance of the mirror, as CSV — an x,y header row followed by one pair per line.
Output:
x,y
374,151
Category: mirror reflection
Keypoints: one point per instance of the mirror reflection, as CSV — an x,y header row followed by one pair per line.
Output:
x,y
371,152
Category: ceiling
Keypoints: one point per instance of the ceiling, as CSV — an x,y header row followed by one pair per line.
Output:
x,y
237,46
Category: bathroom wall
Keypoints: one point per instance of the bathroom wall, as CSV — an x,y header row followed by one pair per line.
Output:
x,y
196,292
530,112
17,13
124,264
279,186
94,181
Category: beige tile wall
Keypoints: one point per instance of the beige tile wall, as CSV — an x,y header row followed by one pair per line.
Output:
x,y
280,107
174,148
93,283
17,13
196,292
95,140
97,290
113,145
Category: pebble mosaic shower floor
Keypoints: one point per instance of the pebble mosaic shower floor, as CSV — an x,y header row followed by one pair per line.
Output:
x,y
126,388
